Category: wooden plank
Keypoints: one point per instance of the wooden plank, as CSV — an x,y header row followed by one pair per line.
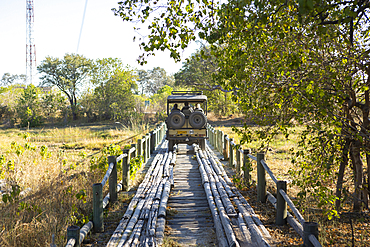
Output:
x,y
191,224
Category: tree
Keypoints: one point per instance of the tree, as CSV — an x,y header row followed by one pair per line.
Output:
x,y
151,81
305,61
29,108
198,73
68,75
112,95
53,105
9,79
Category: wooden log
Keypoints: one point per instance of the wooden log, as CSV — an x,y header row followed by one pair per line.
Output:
x,y
134,237
291,220
281,205
268,170
225,199
107,174
261,179
143,187
153,217
131,223
159,234
126,170
231,155
254,230
166,171
164,199
238,155
113,179
98,207
246,166
231,239
221,238
226,186
310,229
243,228
73,232
223,215
253,214
215,166
203,174
117,234
173,160
292,206
85,230
172,182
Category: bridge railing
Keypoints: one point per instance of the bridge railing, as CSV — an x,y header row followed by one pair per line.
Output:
x,y
240,159
144,147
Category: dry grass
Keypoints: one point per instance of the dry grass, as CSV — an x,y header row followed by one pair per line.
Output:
x,y
59,185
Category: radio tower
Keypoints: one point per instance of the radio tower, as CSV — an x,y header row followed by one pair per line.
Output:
x,y
30,46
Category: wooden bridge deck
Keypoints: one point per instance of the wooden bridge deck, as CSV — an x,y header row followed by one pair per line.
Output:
x,y
202,209
190,221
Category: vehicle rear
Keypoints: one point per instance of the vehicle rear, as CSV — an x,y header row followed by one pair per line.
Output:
x,y
187,118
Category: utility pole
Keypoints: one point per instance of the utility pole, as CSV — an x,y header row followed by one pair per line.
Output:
x,y
30,46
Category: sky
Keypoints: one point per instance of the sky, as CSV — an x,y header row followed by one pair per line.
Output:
x,y
56,31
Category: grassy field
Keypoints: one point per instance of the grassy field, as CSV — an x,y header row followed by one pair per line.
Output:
x,y
49,175
351,229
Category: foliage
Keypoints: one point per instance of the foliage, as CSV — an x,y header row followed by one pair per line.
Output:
x,y
135,165
112,98
101,162
67,75
8,102
9,79
29,108
198,72
53,105
291,62
151,81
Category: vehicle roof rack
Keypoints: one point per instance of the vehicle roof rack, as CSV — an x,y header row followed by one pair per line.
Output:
x,y
187,93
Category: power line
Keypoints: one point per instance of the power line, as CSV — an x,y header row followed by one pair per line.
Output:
x,y
30,46
82,24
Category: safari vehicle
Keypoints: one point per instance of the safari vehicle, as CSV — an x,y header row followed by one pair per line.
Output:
x,y
187,118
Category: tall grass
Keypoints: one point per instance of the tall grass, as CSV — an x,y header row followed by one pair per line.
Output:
x,y
58,185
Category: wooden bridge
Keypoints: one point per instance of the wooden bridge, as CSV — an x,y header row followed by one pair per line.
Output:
x,y
187,196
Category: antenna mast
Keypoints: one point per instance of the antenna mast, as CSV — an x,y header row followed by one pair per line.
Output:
x,y
30,46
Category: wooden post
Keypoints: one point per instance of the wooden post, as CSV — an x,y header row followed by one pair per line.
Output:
x,y
246,165
113,179
126,170
226,147
147,146
155,137
308,229
238,162
98,219
134,153
261,179
222,142
281,205
210,135
74,232
152,141
139,147
231,152
219,141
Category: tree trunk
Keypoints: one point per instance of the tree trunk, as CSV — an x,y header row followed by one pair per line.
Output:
x,y
358,174
342,167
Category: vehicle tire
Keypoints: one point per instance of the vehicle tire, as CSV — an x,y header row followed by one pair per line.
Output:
x,y
202,144
197,120
176,120
170,145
